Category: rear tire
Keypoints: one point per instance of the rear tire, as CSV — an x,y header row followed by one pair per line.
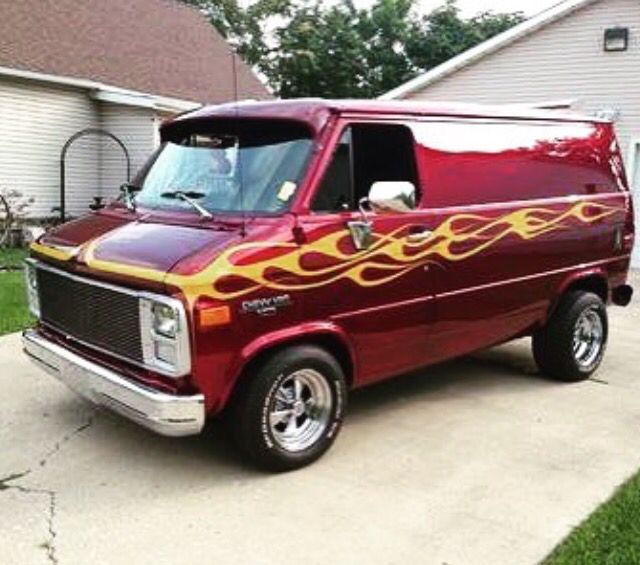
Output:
x,y
288,414
572,344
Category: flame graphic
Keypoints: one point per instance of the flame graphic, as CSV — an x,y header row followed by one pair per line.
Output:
x,y
391,256
249,267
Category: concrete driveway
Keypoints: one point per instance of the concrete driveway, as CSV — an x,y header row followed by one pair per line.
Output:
x,y
476,461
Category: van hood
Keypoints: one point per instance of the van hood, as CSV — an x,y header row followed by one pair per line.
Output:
x,y
113,244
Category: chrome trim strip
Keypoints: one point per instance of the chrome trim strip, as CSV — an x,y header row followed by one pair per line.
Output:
x,y
183,347
166,414
526,278
47,267
384,307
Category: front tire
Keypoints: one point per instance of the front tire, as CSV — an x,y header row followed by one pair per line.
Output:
x,y
571,346
289,413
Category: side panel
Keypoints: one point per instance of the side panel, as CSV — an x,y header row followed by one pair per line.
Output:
x,y
517,208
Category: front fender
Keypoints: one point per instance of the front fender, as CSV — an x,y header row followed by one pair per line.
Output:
x,y
304,332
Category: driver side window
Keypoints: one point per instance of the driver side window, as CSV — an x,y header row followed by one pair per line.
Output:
x,y
335,192
366,153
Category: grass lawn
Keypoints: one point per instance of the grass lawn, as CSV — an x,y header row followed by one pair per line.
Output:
x,y
14,315
610,536
12,258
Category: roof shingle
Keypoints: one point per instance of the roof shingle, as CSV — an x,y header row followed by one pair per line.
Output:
x,y
158,47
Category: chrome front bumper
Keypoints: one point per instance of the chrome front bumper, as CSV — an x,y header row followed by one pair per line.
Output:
x,y
163,413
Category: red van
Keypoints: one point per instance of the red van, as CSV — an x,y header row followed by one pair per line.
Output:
x,y
272,256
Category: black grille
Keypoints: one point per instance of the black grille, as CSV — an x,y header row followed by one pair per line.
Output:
x,y
96,315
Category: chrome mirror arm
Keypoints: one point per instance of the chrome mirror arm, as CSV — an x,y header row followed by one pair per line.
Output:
x,y
363,212
361,230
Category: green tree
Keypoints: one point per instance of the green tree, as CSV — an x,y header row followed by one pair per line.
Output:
x,y
245,26
337,50
320,51
386,31
443,34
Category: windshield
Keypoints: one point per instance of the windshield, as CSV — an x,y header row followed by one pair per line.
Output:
x,y
246,169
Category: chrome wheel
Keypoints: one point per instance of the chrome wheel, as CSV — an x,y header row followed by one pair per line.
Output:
x,y
588,338
300,410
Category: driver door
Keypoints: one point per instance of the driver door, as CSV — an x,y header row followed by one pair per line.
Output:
x,y
381,296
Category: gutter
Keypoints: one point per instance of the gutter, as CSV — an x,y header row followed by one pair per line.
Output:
x,y
105,92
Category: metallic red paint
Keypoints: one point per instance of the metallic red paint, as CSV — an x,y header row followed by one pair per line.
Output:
x,y
436,311
158,246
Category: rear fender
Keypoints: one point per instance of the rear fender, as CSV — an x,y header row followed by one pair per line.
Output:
x,y
595,279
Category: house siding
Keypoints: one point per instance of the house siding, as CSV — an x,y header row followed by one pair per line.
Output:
x,y
36,121
564,60
135,127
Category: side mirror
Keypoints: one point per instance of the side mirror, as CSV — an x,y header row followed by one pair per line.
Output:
x,y
392,196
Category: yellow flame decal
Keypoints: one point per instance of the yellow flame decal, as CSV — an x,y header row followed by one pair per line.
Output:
x,y
55,252
391,255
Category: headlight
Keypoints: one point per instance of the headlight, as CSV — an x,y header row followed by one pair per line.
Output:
x,y
31,284
165,335
165,320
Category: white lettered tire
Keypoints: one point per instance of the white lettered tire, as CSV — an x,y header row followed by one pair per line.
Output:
x,y
289,413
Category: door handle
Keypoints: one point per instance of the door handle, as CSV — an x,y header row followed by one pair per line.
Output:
x,y
419,237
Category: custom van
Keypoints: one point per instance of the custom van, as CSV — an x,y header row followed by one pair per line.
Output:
x,y
270,257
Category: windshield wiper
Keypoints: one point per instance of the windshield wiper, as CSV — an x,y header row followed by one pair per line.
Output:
x,y
129,191
189,197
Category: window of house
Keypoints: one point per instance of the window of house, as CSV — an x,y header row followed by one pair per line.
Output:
x,y
366,153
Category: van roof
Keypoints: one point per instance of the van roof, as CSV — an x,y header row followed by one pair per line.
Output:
x,y
315,111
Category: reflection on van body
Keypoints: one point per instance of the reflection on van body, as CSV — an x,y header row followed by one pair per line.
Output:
x,y
279,254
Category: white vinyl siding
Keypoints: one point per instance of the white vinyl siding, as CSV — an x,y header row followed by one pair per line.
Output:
x,y
564,60
633,164
633,169
35,121
135,127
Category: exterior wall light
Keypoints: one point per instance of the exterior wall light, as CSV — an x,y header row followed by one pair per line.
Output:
x,y
616,39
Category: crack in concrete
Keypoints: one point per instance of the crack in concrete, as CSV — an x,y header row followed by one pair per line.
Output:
x,y
66,438
12,477
49,544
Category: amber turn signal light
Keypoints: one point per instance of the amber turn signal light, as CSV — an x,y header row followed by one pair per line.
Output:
x,y
211,314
